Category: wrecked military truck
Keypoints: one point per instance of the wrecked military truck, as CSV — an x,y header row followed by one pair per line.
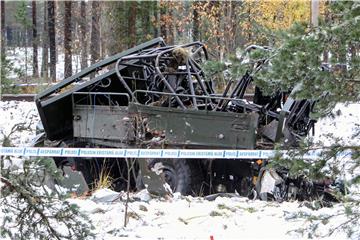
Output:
x,y
157,96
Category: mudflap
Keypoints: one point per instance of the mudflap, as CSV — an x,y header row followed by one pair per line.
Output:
x,y
71,179
151,179
74,181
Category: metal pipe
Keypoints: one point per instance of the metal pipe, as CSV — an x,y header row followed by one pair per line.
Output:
x,y
191,86
198,77
224,95
164,79
128,89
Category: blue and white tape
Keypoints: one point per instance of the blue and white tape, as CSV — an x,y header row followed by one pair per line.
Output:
x,y
144,153
133,153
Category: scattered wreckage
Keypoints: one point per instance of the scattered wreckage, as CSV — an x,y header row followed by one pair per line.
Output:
x,y
157,96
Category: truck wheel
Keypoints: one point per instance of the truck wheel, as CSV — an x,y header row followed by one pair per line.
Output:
x,y
244,187
183,175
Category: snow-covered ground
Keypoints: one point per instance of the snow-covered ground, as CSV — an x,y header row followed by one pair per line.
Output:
x,y
197,218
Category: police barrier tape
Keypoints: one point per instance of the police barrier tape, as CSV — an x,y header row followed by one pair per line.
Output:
x,y
144,153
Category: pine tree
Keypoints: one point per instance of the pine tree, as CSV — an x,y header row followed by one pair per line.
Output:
x,y
296,60
32,205
32,210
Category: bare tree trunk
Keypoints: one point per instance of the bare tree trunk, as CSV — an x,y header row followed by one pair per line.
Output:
x,y
145,19
234,26
2,39
52,43
163,28
35,41
2,30
156,19
315,13
352,51
171,26
228,27
132,24
95,34
249,35
326,51
216,7
102,40
45,46
196,21
26,54
2,43
83,38
67,40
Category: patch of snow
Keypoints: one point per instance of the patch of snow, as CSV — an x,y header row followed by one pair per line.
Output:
x,y
143,195
105,196
23,114
329,130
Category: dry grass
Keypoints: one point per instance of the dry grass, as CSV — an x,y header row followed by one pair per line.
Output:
x,y
105,180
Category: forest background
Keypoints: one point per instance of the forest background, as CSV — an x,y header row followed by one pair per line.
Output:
x,y
87,31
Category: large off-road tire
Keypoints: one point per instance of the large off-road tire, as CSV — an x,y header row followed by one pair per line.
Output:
x,y
183,175
244,186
